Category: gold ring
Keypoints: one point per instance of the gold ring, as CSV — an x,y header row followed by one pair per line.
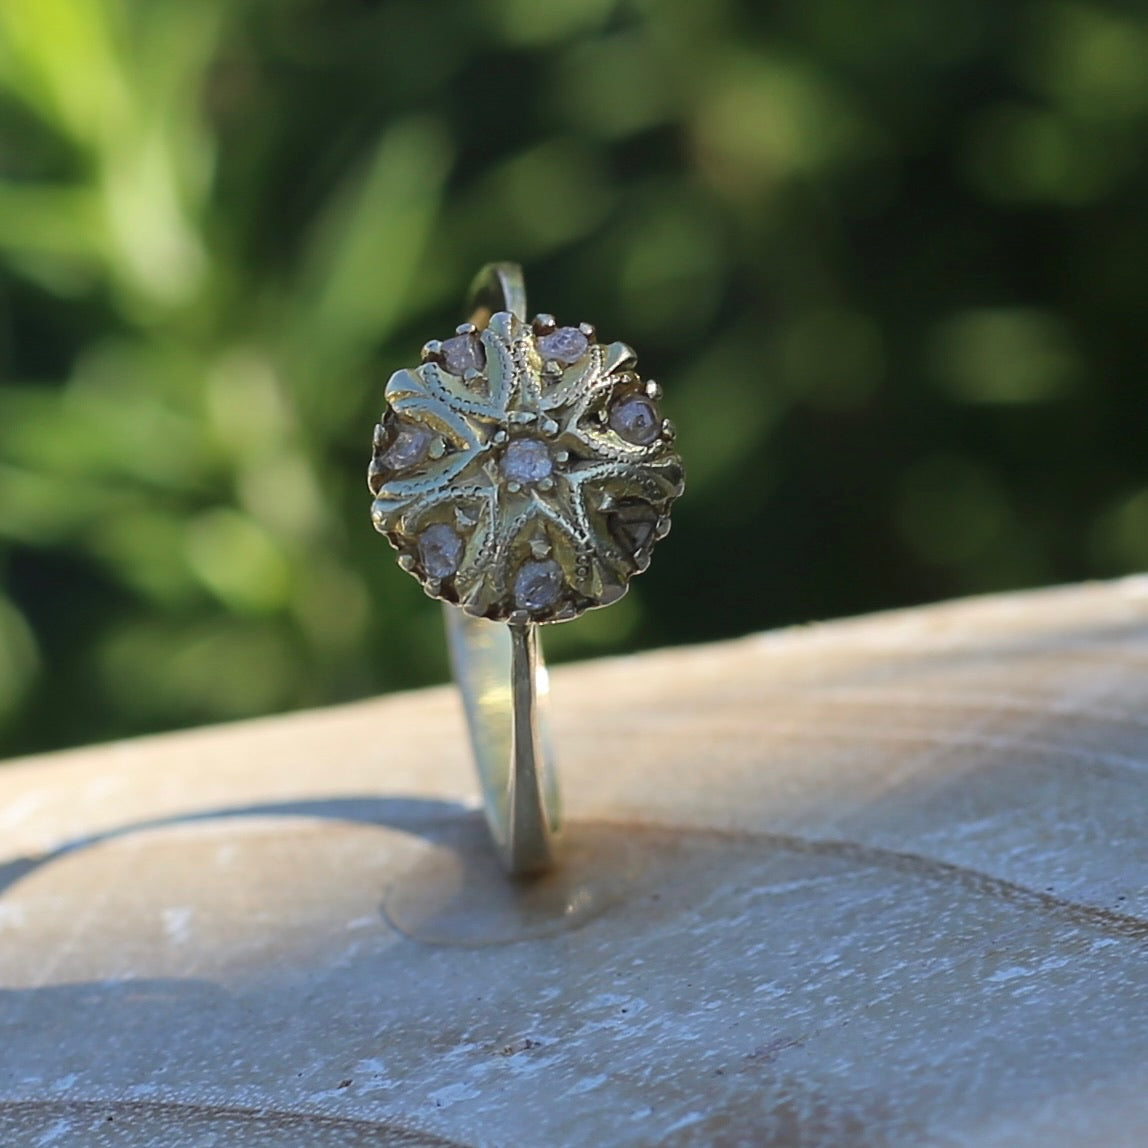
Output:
x,y
523,472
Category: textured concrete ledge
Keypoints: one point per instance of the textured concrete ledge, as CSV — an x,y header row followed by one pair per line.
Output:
x,y
878,882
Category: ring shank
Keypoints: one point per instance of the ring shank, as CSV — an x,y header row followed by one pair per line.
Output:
x,y
503,682
502,678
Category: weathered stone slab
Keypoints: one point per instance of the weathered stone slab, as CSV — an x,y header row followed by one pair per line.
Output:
x,y
880,882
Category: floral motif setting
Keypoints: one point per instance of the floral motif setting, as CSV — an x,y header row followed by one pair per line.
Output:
x,y
523,471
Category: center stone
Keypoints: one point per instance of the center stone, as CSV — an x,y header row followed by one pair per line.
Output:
x,y
526,460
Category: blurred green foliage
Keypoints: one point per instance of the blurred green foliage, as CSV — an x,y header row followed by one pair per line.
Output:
x,y
889,259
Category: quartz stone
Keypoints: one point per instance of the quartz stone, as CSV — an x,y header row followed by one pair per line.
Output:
x,y
440,550
565,345
463,353
538,584
636,420
408,448
526,460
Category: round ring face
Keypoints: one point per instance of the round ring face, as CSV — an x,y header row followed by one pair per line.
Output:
x,y
524,471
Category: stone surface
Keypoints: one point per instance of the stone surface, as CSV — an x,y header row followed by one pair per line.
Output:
x,y
636,420
526,460
463,353
565,345
875,883
538,584
440,550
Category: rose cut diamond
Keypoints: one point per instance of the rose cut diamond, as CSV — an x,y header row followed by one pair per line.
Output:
x,y
440,550
566,345
635,419
538,584
463,353
410,446
527,460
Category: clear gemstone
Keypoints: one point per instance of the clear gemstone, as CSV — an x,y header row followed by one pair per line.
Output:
x,y
526,460
634,524
538,584
635,419
463,353
566,345
440,550
408,448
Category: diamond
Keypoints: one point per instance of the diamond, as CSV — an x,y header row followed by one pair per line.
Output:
x,y
408,448
565,345
463,353
526,460
538,584
440,550
634,525
635,419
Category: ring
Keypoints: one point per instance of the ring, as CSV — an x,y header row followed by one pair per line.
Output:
x,y
523,473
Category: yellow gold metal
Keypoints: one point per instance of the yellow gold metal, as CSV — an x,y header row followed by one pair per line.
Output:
x,y
524,473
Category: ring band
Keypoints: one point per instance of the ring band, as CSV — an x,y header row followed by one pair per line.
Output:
x,y
523,474
507,735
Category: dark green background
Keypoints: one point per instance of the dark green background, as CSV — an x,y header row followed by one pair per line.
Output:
x,y
888,258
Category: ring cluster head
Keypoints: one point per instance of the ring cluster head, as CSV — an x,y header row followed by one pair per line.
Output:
x,y
524,471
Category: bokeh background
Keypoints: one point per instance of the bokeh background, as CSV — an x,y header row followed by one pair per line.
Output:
x,y
888,258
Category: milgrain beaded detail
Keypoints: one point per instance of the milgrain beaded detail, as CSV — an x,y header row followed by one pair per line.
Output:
x,y
523,471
